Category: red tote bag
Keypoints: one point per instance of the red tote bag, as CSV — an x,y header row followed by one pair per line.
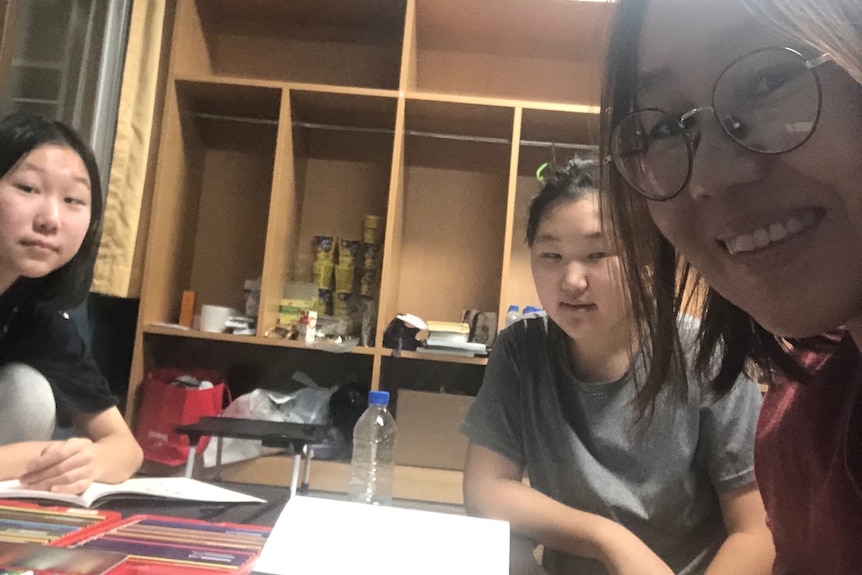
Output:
x,y
165,406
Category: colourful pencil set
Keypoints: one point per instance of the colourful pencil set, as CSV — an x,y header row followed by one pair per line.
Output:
x,y
90,542
178,545
22,522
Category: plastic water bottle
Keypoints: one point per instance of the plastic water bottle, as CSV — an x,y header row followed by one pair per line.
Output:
x,y
512,315
373,463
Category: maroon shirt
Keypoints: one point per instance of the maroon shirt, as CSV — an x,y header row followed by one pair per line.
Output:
x,y
808,463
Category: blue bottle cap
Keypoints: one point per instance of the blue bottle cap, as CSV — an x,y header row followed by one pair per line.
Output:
x,y
531,309
513,308
378,398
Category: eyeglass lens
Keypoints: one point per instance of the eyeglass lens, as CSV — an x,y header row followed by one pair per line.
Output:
x,y
650,150
767,101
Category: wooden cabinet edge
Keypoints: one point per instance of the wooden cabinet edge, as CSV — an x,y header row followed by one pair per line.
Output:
x,y
293,344
247,339
409,94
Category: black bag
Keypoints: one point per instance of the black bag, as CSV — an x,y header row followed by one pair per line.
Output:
x,y
400,336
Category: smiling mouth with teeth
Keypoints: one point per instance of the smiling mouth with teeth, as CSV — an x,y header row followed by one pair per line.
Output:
x,y
762,237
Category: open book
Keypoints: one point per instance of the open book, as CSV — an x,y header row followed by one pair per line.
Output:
x,y
156,487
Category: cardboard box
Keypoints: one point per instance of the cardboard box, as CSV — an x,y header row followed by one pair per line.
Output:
x,y
428,433
187,309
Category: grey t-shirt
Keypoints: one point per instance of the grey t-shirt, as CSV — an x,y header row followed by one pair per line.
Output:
x,y
579,445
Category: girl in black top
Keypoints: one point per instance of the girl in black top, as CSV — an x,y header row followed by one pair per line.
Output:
x,y
50,224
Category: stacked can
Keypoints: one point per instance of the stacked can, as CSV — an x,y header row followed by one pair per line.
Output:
x,y
372,249
322,271
344,267
345,275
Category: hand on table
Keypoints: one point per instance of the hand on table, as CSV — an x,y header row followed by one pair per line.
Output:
x,y
630,556
62,467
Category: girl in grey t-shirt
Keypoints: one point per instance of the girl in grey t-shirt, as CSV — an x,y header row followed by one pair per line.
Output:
x,y
609,491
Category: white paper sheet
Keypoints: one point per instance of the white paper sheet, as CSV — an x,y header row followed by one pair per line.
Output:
x,y
325,536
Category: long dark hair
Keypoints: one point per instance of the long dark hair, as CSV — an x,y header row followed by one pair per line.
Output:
x,y
661,283
68,285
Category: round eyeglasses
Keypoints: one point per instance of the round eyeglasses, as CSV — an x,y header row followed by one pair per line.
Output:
x,y
767,101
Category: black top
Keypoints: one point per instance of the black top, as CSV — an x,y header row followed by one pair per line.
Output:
x,y
48,342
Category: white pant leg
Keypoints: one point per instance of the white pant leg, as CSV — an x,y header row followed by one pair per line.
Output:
x,y
28,411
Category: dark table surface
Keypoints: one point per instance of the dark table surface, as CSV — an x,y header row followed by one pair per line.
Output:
x,y
245,513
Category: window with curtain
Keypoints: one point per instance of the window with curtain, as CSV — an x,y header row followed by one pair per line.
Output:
x,y
63,59
54,68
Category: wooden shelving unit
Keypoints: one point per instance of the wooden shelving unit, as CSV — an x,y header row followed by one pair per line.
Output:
x,y
289,119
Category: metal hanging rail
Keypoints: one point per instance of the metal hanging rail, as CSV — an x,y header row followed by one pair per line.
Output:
x,y
416,133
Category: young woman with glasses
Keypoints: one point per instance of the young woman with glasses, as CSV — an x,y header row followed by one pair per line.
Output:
x,y
733,134
50,223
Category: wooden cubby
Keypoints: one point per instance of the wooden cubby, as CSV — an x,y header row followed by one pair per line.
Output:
x,y
453,202
284,120
549,138
342,158
333,43
546,51
439,376
250,366
209,233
